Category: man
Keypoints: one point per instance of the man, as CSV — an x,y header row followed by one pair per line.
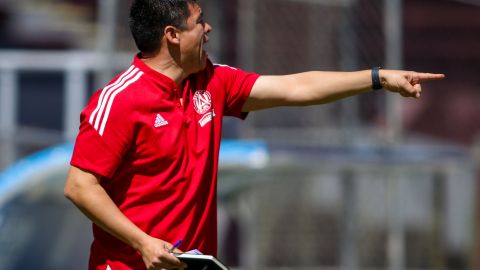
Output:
x,y
144,166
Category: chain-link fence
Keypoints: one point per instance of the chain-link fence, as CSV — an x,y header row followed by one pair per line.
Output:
x,y
293,36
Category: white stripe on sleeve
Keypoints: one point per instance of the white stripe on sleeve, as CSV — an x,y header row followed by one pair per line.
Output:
x,y
112,97
107,95
105,90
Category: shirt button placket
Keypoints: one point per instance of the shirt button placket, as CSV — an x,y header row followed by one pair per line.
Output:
x,y
177,98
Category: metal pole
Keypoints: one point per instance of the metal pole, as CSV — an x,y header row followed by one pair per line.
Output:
x,y
8,103
349,245
8,115
394,60
395,238
349,61
247,212
475,253
106,37
438,230
246,31
74,99
247,13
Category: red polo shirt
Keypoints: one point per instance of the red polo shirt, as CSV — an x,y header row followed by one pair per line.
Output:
x,y
157,147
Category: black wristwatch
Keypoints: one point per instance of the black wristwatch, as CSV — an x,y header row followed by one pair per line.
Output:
x,y
376,84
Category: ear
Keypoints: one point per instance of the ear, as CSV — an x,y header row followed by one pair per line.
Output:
x,y
172,34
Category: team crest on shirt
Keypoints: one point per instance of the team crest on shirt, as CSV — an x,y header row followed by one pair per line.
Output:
x,y
202,103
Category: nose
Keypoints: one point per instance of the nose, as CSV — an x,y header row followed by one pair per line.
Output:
x,y
207,28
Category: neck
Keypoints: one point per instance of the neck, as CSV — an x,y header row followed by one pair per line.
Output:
x,y
167,66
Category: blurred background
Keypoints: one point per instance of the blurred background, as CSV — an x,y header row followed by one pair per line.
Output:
x,y
369,182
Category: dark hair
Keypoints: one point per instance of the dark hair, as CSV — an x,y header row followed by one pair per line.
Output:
x,y
148,19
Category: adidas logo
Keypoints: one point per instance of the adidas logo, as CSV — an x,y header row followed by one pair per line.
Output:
x,y
160,121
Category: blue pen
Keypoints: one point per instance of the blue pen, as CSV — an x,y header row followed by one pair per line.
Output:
x,y
175,246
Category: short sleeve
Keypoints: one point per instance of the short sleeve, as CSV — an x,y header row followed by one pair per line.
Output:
x,y
105,134
238,85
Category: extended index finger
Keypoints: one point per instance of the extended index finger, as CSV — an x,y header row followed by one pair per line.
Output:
x,y
430,76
